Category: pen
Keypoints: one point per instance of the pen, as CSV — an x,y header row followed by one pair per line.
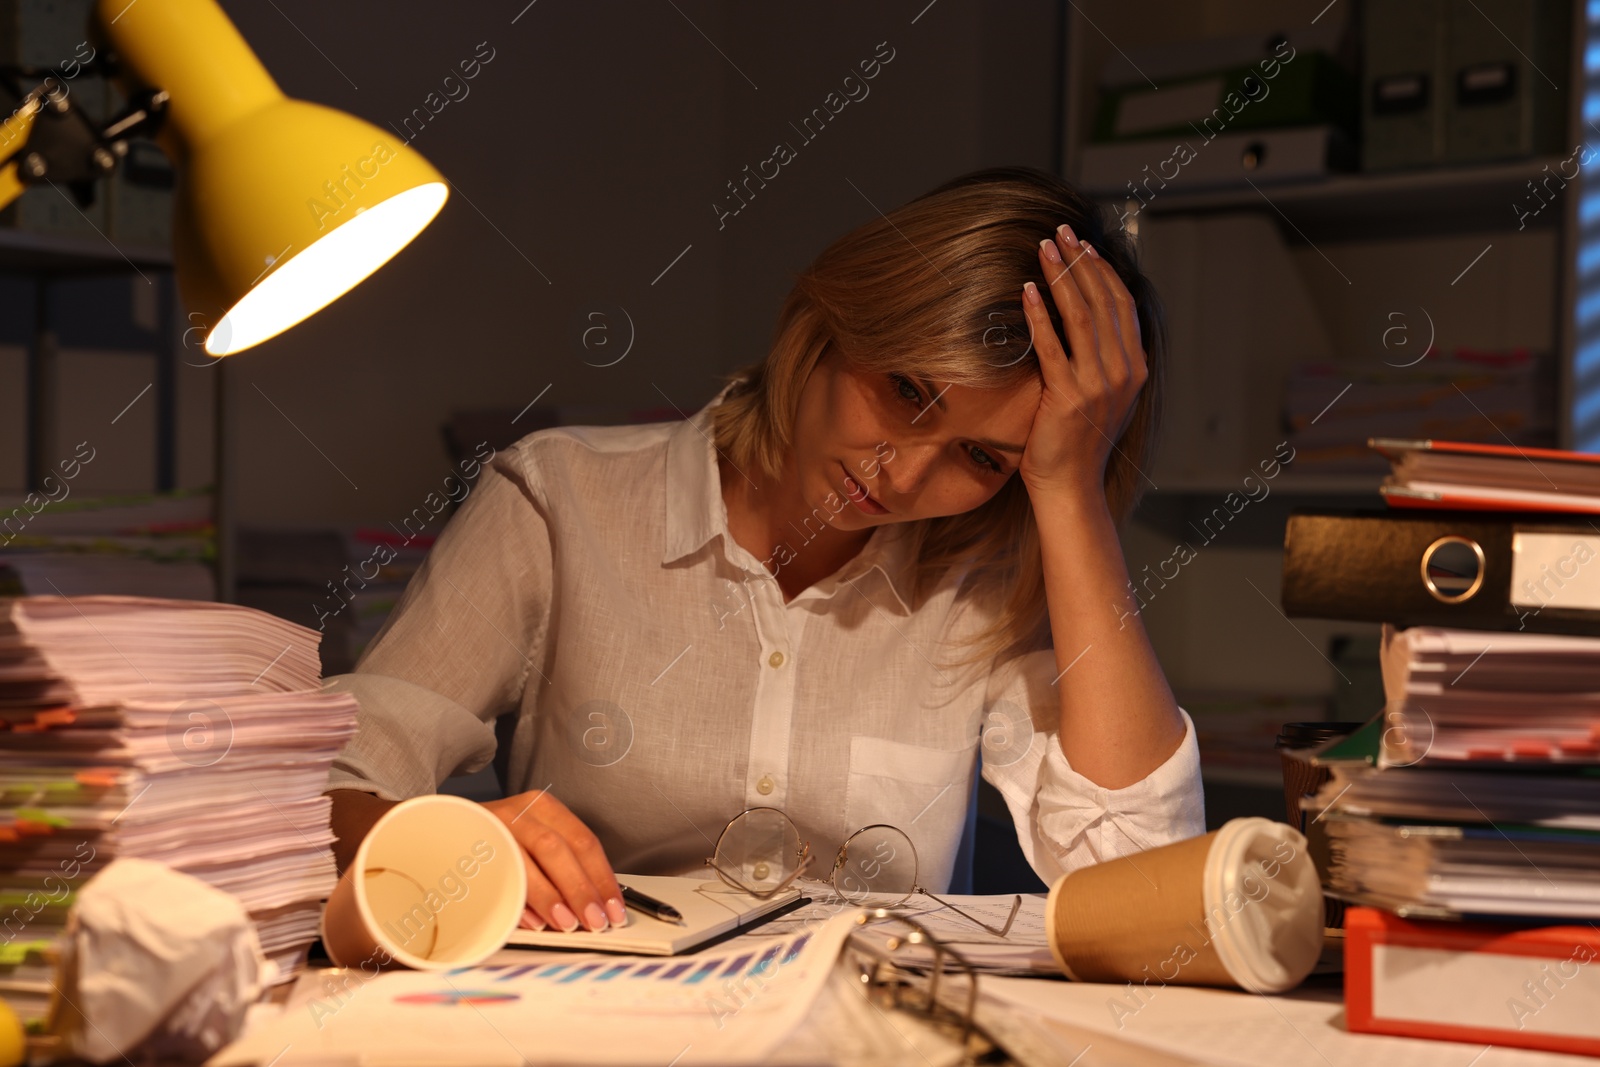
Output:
x,y
656,909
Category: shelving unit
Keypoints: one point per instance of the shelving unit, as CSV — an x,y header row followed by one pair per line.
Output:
x,y
61,255
1418,203
48,260
1345,207
1176,512
1401,210
1217,625
1311,485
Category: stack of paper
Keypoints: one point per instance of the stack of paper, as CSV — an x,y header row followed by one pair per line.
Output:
x,y
190,733
1022,950
1466,396
1485,798
1487,697
99,650
737,1004
1488,477
148,544
1450,869
1475,794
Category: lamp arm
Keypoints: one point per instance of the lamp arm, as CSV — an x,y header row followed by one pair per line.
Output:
x,y
14,136
47,138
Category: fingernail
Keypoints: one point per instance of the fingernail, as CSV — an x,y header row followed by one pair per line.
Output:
x,y
1066,231
530,919
594,918
1090,249
1031,292
1050,251
564,919
617,913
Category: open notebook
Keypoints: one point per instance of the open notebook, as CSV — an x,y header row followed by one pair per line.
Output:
x,y
710,909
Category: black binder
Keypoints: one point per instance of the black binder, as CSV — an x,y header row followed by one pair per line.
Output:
x,y
1368,566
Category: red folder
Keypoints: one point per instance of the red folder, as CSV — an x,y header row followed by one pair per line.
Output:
x,y
1477,477
1486,983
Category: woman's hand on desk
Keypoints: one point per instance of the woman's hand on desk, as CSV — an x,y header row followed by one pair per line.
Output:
x,y
570,881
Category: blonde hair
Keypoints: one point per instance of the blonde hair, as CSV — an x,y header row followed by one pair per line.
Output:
x,y
935,289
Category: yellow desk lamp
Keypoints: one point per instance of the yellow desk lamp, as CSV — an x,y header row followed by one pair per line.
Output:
x,y
281,205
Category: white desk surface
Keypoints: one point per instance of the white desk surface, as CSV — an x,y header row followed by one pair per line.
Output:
x,y
1106,1025
1213,1026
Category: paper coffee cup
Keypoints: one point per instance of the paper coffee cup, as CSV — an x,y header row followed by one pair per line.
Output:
x,y
1300,778
438,882
1297,742
1240,906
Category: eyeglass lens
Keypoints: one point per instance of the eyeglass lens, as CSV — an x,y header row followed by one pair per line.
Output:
x,y
876,861
760,849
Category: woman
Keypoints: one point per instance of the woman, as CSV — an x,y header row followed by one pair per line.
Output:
x,y
892,538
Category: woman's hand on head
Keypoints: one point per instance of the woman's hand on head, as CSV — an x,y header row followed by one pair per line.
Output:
x,y
570,881
1089,396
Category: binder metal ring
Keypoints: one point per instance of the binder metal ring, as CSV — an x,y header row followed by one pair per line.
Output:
x,y
1451,595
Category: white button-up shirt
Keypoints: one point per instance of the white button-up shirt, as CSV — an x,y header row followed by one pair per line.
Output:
x,y
660,684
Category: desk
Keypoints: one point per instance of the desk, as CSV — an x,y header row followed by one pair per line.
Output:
x,y
1106,1025
1214,1026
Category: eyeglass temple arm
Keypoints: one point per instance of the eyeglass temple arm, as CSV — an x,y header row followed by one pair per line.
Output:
x,y
1016,903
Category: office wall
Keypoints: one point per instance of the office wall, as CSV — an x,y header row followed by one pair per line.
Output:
x,y
586,158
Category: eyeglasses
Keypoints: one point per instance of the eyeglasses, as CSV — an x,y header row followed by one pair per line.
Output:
x,y
943,994
760,852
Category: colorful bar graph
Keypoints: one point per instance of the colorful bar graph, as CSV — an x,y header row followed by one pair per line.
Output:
x,y
578,973
703,973
766,959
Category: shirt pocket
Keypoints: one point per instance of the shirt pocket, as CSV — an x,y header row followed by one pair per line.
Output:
x,y
922,791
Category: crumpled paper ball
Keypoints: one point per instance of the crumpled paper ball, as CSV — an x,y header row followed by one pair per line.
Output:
x,y
156,964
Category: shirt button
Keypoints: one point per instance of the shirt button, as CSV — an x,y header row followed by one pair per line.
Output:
x,y
776,659
765,785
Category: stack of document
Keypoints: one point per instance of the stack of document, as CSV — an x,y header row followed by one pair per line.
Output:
x,y
148,544
1021,950
1478,696
734,1005
1484,800
191,733
1451,869
98,650
1466,395
1466,815
1489,477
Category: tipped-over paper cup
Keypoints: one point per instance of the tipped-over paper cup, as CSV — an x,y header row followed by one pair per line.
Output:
x,y
438,882
1240,906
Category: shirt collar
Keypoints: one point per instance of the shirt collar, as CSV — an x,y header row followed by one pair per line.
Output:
x,y
696,514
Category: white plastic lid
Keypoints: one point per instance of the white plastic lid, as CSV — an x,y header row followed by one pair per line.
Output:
x,y
1263,904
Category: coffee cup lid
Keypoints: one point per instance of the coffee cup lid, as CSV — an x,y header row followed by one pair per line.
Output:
x,y
1263,904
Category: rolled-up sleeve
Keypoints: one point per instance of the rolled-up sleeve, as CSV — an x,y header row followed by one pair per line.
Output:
x,y
1063,819
459,647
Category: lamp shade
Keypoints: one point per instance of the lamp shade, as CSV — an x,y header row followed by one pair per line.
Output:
x,y
281,205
